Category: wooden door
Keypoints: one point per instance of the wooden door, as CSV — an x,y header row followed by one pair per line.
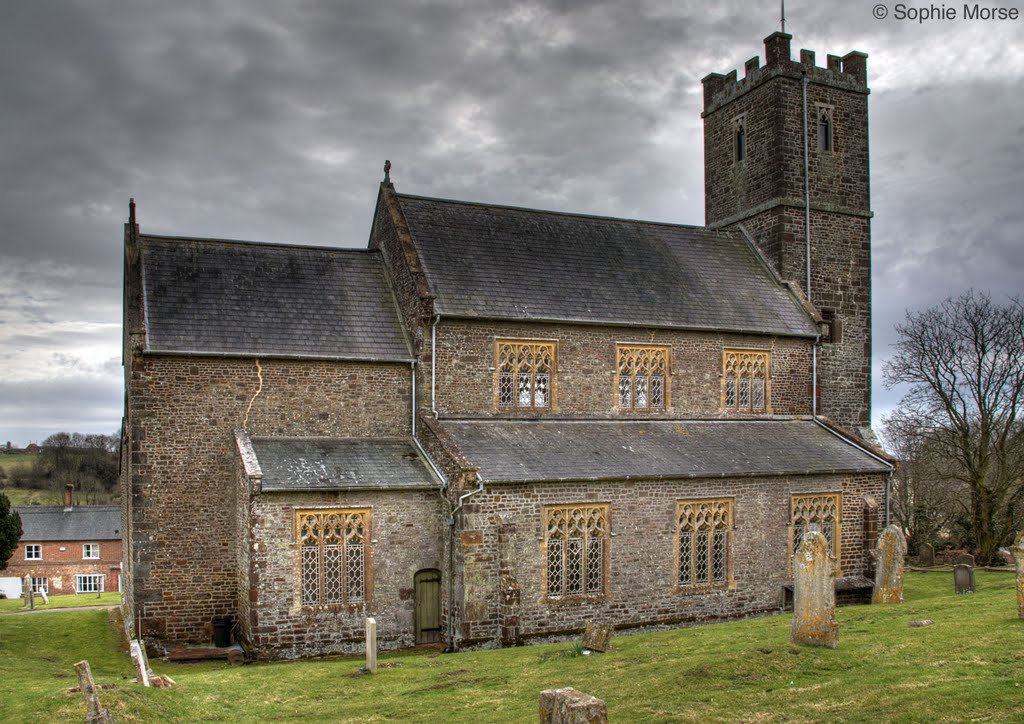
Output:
x,y
427,584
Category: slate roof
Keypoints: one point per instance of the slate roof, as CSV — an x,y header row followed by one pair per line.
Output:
x,y
511,263
84,522
210,296
290,464
536,451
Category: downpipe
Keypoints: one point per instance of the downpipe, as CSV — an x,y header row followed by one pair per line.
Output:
x,y
451,562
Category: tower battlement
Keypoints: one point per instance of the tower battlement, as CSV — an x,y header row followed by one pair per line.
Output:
x,y
848,72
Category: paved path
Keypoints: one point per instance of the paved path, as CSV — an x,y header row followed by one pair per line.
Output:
x,y
57,610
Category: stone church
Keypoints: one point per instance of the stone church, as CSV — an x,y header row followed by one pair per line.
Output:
x,y
494,424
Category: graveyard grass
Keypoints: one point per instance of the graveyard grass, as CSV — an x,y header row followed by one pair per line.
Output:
x,y
968,665
14,605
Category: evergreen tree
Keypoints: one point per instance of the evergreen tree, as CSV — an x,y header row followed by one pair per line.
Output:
x,y
10,530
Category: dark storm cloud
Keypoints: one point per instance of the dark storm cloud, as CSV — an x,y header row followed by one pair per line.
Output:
x,y
271,121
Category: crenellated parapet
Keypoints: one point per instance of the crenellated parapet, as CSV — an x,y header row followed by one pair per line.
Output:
x,y
848,72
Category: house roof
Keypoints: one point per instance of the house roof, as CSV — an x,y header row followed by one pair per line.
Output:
x,y
537,451
491,261
85,522
210,296
291,464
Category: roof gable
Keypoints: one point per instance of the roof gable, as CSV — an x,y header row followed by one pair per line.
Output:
x,y
502,262
208,296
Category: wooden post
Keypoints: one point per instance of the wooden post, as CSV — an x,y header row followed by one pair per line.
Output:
x,y
29,602
140,662
371,645
97,714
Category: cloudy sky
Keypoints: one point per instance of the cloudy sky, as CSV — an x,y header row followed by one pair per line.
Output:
x,y
271,121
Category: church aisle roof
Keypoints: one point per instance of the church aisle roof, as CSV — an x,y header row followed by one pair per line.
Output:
x,y
511,263
295,464
537,451
209,296
80,522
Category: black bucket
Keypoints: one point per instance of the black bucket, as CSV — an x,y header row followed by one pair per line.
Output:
x,y
222,631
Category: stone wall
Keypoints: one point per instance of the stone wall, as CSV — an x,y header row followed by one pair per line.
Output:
x,y
585,378
182,474
406,530
62,561
641,587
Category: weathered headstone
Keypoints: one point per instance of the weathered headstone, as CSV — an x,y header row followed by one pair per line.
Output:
x,y
96,713
568,706
892,554
926,554
597,636
29,602
814,597
964,559
1018,556
963,578
371,645
142,675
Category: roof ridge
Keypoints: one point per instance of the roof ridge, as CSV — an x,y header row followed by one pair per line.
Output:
x,y
575,215
261,244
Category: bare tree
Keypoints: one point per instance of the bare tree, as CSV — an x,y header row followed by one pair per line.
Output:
x,y
964,363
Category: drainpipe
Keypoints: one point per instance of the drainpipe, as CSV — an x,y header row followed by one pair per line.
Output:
x,y
412,369
433,366
451,560
804,81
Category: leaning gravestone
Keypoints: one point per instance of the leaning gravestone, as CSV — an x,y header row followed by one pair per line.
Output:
x,y
1018,556
963,578
926,554
814,596
597,636
892,553
568,706
964,559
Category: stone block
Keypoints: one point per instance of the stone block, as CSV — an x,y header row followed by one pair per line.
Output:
x,y
568,706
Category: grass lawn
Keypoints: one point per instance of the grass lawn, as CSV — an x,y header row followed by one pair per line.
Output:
x,y
968,665
9,462
9,605
21,496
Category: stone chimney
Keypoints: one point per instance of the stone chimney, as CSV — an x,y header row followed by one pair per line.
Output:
x,y
69,491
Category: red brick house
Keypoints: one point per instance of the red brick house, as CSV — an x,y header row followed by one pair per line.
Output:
x,y
495,424
68,549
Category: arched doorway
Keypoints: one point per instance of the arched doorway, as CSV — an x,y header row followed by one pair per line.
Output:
x,y
427,584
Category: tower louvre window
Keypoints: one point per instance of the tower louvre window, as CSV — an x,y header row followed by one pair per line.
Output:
x,y
825,128
739,132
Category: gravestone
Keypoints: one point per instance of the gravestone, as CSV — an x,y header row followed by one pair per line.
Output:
x,y
963,578
371,645
926,554
29,601
139,657
597,636
964,559
568,706
96,712
814,597
892,553
1018,556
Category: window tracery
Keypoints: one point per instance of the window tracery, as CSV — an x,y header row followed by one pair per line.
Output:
x,y
333,545
576,537
746,381
817,511
641,379
704,533
525,373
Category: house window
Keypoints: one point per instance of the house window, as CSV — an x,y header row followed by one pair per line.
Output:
x,y
40,585
334,556
33,552
641,380
825,128
739,136
817,511
576,541
525,373
91,550
704,535
90,583
746,380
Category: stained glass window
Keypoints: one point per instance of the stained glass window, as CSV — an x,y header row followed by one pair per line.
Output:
x,y
333,555
577,547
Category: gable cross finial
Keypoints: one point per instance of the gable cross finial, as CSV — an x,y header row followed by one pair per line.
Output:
x,y
387,171
783,14
131,211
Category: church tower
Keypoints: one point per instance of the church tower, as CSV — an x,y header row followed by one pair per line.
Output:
x,y
786,150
